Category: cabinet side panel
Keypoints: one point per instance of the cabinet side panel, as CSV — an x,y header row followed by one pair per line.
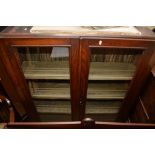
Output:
x,y
137,84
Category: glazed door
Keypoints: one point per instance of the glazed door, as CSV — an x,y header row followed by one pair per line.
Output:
x,y
108,67
50,72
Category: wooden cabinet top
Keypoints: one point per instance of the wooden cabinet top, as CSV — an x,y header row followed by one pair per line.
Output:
x,y
77,32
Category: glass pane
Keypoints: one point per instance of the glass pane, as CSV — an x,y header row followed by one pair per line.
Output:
x,y
110,73
46,70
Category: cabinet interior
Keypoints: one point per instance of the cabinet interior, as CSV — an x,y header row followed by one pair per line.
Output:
x,y
47,71
110,73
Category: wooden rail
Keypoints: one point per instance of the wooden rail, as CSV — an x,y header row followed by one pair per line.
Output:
x,y
87,123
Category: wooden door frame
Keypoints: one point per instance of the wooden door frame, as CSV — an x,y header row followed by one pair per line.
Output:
x,y
87,43
17,88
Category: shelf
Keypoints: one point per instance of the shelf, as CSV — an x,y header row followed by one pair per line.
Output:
x,y
53,110
60,70
47,90
46,70
45,117
51,93
111,71
104,110
102,117
102,107
106,94
106,91
54,107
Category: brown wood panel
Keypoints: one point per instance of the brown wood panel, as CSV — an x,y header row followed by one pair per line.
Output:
x,y
1,88
137,84
139,114
114,125
39,42
4,113
119,43
148,97
44,125
153,71
75,78
6,110
84,124
84,70
14,83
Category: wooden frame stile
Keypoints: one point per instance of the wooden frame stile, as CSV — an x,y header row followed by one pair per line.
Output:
x,y
9,78
75,78
24,90
84,70
140,76
21,85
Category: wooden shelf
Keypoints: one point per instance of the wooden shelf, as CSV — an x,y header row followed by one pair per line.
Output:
x,y
102,117
53,110
106,94
49,90
106,91
104,110
60,70
102,107
111,71
51,93
46,70
45,117
54,107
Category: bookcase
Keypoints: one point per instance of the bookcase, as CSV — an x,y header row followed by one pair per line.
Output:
x,y
69,77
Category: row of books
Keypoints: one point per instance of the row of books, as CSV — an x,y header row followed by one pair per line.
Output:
x,y
49,54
